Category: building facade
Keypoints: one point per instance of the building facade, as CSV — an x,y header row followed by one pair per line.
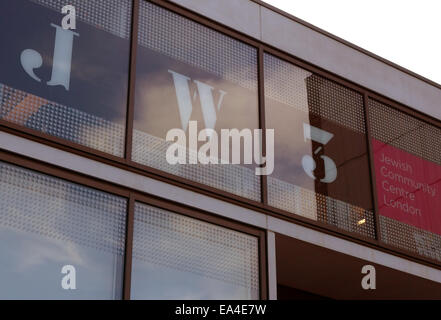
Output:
x,y
90,208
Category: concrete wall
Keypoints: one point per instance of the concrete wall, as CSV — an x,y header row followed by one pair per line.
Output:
x,y
292,37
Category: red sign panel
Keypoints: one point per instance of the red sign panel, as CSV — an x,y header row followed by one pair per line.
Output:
x,y
408,187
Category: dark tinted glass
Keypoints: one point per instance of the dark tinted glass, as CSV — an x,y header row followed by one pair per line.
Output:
x,y
70,84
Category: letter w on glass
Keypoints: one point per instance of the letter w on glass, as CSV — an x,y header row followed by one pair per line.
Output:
x,y
185,103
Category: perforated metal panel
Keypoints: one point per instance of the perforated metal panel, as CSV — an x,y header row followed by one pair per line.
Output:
x,y
408,237
418,138
60,210
407,133
171,240
113,16
197,45
286,83
25,109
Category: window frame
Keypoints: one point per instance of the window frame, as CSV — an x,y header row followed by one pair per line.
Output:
x,y
127,164
133,196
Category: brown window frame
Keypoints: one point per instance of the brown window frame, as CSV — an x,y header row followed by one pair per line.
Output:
x,y
133,196
127,164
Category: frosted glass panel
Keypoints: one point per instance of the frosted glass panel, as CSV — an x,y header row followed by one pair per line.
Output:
x,y
177,257
47,223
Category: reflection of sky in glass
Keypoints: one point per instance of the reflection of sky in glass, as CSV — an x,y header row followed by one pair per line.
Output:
x,y
157,282
198,46
177,257
92,111
169,43
46,223
31,265
294,99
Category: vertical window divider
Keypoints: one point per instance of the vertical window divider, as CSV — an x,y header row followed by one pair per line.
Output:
x,y
128,247
132,79
371,166
262,124
263,262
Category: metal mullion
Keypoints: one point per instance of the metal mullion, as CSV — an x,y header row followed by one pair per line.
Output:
x,y
371,165
128,248
272,265
132,80
263,266
262,123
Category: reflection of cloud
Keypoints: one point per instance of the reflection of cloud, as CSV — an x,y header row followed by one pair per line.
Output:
x,y
286,83
31,265
68,214
191,246
34,251
211,51
153,281
47,222
157,112
157,105
92,74
116,22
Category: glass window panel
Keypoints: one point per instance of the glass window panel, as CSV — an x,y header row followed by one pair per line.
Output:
x,y
71,84
188,72
321,167
47,223
407,162
177,257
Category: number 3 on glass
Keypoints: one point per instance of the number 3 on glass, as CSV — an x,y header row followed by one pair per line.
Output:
x,y
308,163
